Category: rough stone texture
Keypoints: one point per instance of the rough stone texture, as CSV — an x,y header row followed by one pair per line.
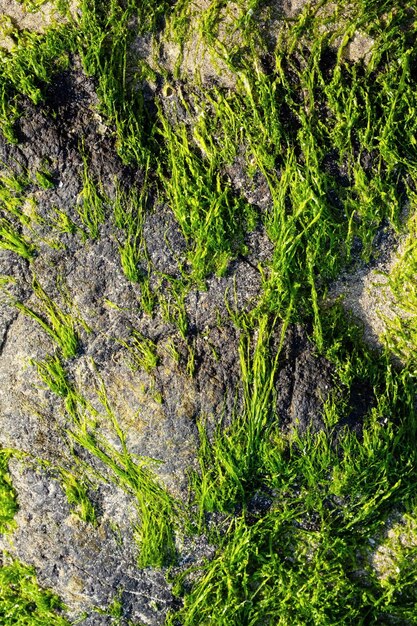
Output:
x,y
85,566
16,16
193,58
18,287
293,7
303,383
88,565
365,292
158,411
359,48
256,190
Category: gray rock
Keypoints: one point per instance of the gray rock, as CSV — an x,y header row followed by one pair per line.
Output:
x,y
87,566
197,377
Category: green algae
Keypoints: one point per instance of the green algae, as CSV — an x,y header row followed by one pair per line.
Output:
x,y
335,142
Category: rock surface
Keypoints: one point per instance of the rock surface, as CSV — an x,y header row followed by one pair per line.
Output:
x,y
196,374
89,565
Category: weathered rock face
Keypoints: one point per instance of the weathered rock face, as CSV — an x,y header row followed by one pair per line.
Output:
x,y
158,355
89,565
86,566
194,376
304,382
16,14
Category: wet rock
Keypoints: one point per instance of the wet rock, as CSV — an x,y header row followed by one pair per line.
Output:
x,y
303,383
359,48
36,21
196,374
365,291
255,190
86,565
165,243
15,273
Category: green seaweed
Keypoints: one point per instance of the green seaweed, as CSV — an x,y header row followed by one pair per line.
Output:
x,y
56,322
332,141
8,501
23,601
